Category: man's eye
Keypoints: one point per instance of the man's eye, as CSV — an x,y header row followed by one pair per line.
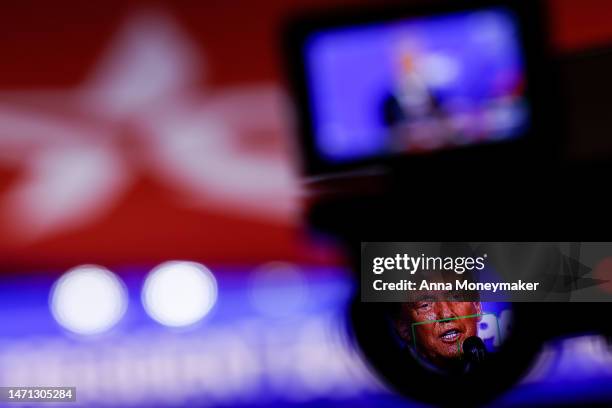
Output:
x,y
423,305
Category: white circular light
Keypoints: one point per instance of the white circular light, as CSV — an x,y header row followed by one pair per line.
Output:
x,y
179,293
88,299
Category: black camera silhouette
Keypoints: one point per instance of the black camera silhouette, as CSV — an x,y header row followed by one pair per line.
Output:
x,y
449,120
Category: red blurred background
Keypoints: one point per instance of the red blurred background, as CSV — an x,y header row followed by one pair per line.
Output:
x,y
150,130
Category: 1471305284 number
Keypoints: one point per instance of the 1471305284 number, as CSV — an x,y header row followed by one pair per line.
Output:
x,y
22,394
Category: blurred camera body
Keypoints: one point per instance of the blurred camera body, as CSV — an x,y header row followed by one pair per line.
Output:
x,y
519,174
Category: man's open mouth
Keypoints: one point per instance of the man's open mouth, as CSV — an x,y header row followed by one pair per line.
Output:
x,y
450,336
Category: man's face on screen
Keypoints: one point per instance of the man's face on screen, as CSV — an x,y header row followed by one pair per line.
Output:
x,y
442,329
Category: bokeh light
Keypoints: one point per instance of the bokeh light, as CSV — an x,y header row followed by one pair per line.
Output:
x,y
278,289
88,299
179,293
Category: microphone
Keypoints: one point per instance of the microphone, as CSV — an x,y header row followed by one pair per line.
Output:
x,y
474,350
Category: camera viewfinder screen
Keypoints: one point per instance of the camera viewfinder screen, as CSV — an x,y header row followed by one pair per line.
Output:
x,y
416,86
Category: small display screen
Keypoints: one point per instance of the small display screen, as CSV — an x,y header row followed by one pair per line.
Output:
x,y
417,85
452,337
